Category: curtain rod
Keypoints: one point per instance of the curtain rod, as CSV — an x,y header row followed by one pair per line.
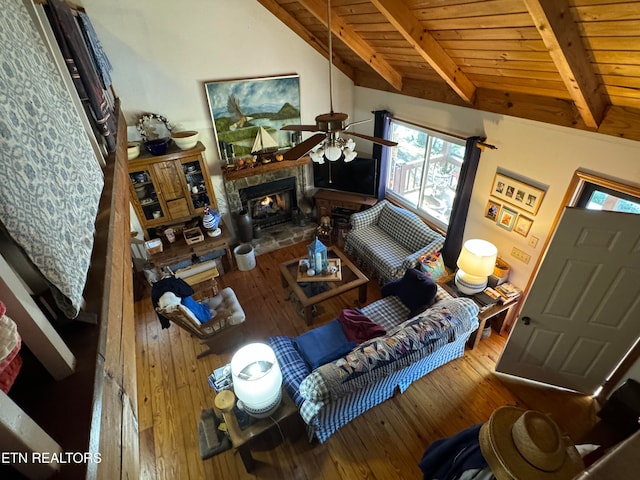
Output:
x,y
481,145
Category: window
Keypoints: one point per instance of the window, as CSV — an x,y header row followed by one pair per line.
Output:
x,y
423,170
597,197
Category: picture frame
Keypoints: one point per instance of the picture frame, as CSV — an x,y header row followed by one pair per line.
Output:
x,y
239,107
492,210
523,225
507,218
519,194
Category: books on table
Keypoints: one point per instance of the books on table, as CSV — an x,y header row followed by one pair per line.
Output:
x,y
508,292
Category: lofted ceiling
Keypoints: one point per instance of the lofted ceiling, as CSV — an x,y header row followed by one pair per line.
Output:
x,y
574,63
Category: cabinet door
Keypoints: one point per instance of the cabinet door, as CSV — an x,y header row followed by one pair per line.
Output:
x,y
198,186
144,192
169,176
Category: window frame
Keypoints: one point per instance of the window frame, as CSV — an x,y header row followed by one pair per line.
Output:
x,y
397,199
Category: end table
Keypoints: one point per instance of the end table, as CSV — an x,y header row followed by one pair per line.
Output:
x,y
241,437
499,310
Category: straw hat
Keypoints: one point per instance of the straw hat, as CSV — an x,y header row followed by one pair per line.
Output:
x,y
519,444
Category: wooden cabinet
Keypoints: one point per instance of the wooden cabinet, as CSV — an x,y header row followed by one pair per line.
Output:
x,y
340,204
170,188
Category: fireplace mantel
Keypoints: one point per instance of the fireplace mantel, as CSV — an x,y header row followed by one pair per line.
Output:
x,y
230,175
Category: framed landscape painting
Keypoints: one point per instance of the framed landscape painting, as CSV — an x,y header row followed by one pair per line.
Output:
x,y
239,108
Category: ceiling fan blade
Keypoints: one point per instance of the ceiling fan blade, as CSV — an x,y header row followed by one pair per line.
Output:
x,y
301,128
302,148
357,123
380,141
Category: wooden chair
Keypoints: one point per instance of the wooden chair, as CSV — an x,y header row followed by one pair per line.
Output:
x,y
225,326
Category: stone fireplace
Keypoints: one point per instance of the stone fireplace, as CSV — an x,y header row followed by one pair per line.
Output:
x,y
285,183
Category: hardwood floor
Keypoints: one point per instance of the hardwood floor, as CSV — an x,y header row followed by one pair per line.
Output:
x,y
385,443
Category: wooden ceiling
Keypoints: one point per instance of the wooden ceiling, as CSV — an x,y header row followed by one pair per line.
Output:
x,y
574,63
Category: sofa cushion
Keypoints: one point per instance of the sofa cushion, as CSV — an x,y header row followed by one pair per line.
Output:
x,y
416,290
323,344
378,249
406,228
358,327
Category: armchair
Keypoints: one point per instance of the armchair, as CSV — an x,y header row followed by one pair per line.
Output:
x,y
387,240
225,324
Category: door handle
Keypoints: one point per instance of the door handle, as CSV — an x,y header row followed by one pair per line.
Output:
x,y
526,320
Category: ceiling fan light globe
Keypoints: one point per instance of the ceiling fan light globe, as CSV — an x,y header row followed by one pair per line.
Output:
x,y
349,155
316,157
333,153
351,144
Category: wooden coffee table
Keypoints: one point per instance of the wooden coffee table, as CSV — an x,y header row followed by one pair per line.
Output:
x,y
312,293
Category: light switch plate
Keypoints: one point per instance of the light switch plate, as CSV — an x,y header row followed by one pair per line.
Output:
x,y
533,242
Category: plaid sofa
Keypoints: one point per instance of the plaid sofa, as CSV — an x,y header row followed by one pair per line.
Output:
x,y
386,239
335,393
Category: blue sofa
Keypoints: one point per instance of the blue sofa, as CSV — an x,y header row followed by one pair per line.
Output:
x,y
387,240
337,392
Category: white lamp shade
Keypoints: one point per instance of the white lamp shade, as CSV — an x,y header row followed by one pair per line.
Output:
x,y
257,379
476,262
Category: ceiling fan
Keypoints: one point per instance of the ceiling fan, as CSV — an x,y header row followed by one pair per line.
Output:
x,y
332,124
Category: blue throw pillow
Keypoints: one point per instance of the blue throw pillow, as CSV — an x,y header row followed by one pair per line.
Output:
x,y
323,344
415,289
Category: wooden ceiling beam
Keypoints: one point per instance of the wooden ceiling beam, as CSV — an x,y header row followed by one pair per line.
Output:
x,y
354,41
306,35
560,34
427,46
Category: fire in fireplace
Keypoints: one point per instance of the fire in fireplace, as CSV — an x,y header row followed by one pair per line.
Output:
x,y
270,203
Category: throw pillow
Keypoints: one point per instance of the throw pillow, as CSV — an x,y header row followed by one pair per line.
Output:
x,y
358,327
415,289
323,344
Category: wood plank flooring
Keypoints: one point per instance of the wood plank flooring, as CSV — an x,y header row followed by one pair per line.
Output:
x,y
385,443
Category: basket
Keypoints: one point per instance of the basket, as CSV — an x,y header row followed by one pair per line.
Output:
x,y
153,246
193,235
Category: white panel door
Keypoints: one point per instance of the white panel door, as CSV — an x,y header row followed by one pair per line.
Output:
x,y
582,313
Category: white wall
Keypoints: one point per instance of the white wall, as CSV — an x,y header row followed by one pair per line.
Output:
x,y
162,52
544,153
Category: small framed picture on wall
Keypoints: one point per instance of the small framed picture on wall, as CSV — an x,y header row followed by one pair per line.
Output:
x,y
507,218
523,225
492,210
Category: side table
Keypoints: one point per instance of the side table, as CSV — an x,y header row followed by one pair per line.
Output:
x,y
499,310
241,437
179,250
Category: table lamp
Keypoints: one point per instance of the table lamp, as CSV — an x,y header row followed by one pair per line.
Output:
x,y
476,262
257,380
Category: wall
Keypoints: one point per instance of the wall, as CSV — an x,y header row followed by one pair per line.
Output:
x,y
544,153
163,51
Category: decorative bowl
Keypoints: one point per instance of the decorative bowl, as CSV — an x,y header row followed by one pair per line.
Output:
x,y
157,146
186,139
133,150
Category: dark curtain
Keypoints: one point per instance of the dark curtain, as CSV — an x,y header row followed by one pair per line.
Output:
x,y
382,122
460,208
